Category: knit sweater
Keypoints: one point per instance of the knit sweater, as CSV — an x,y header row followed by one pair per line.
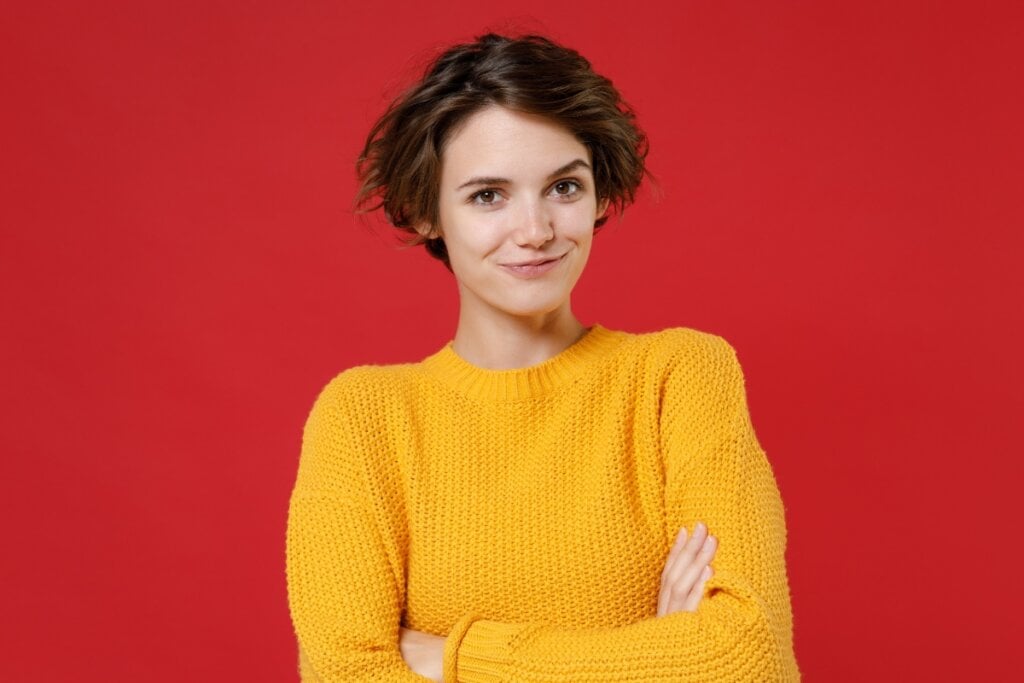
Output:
x,y
526,515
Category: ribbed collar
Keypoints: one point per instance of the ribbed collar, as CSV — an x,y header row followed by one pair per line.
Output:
x,y
523,383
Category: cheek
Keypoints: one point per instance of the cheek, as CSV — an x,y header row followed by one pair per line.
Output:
x,y
578,214
470,245
477,234
579,227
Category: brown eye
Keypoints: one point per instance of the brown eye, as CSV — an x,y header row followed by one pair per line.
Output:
x,y
484,197
566,188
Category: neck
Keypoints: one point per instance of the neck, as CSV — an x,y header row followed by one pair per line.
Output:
x,y
508,342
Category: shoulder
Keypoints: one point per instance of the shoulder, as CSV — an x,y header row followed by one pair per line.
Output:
x,y
362,391
692,366
361,379
348,433
685,349
686,338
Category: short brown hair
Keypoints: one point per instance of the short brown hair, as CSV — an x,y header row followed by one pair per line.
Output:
x,y
399,168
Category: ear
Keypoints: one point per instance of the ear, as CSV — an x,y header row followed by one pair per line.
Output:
x,y
602,207
426,230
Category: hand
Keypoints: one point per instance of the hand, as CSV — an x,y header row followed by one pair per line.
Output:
x,y
422,652
686,571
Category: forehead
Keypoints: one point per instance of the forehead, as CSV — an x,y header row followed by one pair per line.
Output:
x,y
496,141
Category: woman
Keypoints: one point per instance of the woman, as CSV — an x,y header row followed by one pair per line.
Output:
x,y
538,500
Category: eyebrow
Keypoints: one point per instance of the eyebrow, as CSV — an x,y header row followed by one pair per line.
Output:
x,y
490,180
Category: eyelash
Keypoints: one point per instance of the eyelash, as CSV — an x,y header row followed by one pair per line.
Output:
x,y
474,198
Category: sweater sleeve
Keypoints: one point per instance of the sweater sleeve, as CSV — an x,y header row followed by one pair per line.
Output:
x,y
715,471
345,561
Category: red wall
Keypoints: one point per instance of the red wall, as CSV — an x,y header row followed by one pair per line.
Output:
x,y
180,273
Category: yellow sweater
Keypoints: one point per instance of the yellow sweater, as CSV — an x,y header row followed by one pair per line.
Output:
x,y
527,514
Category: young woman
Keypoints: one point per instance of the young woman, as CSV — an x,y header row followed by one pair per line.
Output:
x,y
538,500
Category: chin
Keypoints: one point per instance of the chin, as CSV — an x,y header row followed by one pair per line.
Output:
x,y
532,307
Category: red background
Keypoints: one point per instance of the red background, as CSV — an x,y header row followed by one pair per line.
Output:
x,y
181,273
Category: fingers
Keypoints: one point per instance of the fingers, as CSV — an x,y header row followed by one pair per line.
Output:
x,y
683,554
685,582
673,554
682,580
694,598
664,593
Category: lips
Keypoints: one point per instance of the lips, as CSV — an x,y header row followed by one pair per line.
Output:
x,y
537,268
535,262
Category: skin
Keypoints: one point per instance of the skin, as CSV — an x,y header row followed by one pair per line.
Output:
x,y
504,321
517,187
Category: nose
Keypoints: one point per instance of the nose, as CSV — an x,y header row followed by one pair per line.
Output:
x,y
535,226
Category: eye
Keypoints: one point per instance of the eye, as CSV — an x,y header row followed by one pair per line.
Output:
x,y
484,197
567,188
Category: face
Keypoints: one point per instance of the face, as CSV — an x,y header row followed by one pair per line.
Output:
x,y
516,189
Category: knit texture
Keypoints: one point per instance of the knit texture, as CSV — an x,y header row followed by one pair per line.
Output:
x,y
526,515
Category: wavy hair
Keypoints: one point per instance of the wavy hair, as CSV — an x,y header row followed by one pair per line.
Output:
x,y
399,168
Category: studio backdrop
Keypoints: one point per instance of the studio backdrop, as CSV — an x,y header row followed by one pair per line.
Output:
x,y
838,195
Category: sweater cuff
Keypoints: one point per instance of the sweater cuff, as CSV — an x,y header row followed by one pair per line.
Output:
x,y
478,650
